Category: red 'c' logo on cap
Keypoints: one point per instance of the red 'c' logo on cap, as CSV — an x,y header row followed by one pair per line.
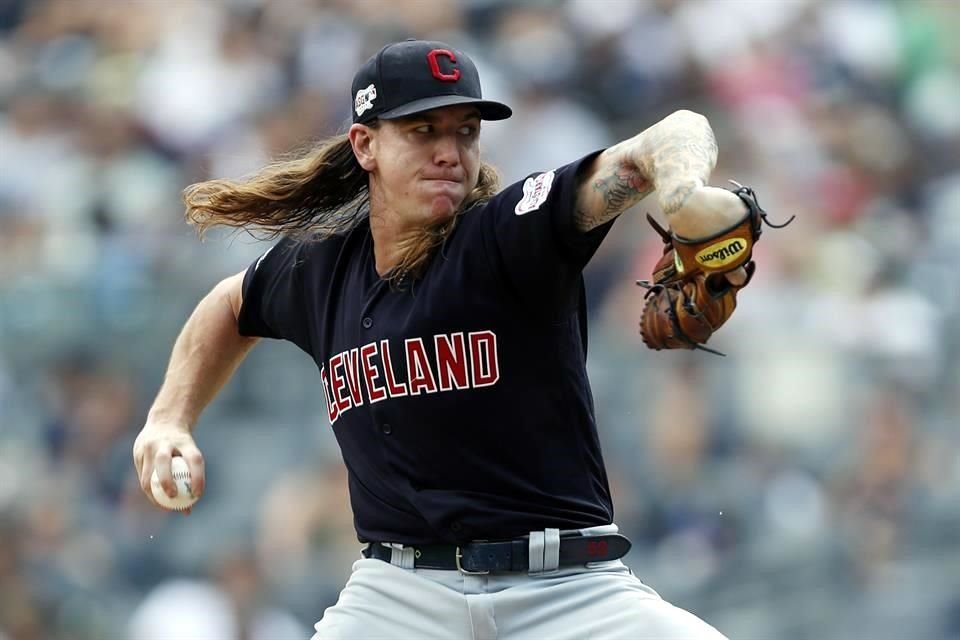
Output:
x,y
435,65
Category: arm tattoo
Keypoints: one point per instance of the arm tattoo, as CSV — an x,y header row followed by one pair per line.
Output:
x,y
612,193
674,157
620,189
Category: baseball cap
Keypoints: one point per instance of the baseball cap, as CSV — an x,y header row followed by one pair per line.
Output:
x,y
412,76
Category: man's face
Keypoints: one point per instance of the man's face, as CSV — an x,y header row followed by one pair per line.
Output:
x,y
424,165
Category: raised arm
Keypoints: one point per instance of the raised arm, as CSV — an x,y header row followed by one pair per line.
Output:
x,y
674,158
708,252
207,352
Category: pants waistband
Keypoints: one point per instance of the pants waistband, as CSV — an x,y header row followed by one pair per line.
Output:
x,y
538,552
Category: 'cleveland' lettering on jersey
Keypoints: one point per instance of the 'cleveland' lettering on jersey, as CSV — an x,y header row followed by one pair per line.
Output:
x,y
458,362
444,393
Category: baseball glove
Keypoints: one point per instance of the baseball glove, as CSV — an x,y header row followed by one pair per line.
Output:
x,y
689,297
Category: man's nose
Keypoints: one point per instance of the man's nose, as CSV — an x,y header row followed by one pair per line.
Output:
x,y
447,151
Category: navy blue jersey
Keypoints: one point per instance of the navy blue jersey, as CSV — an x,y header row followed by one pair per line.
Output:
x,y
460,401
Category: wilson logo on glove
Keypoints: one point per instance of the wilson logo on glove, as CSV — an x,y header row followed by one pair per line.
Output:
x,y
722,253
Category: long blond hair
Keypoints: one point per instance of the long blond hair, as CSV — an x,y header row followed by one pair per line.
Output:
x,y
318,194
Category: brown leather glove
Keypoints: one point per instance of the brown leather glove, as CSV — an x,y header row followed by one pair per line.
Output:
x,y
690,297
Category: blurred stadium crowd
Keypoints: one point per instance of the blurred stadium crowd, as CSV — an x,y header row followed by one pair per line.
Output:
x,y
804,487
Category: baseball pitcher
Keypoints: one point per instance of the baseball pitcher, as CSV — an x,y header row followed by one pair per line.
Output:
x,y
447,321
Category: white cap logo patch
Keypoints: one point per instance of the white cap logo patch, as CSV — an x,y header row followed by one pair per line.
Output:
x,y
364,99
535,192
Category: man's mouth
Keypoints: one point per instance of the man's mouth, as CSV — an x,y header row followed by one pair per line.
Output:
x,y
444,183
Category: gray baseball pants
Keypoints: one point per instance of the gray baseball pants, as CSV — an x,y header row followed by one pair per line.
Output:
x,y
601,601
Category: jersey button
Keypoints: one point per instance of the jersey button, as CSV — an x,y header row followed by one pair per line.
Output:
x,y
386,428
367,322
456,527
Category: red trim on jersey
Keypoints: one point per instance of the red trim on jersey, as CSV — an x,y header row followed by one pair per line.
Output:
x,y
418,367
452,361
338,382
353,376
483,358
332,411
395,389
375,392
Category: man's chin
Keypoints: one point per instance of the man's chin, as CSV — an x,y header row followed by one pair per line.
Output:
x,y
443,208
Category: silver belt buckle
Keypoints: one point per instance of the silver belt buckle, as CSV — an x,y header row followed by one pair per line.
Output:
x,y
457,556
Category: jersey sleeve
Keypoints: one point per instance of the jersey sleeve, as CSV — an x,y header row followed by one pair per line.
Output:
x,y
274,304
531,235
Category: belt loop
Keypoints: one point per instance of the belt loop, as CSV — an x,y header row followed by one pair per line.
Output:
x,y
400,556
536,551
551,550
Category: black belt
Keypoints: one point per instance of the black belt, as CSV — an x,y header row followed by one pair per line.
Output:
x,y
508,555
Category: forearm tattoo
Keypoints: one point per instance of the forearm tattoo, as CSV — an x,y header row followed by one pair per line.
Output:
x,y
673,157
614,193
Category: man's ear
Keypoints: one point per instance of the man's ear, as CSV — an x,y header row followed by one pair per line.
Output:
x,y
363,140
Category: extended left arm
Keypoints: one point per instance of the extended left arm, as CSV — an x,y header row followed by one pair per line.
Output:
x,y
674,157
708,252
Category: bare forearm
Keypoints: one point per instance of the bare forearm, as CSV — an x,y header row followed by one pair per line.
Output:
x,y
205,356
673,157
677,155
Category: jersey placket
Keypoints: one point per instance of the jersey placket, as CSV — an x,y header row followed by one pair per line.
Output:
x,y
366,331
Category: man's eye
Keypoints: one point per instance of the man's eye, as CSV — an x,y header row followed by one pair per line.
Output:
x,y
424,128
467,130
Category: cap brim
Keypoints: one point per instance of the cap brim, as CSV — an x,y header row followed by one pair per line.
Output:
x,y
489,109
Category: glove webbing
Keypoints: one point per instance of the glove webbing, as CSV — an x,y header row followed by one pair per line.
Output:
x,y
653,289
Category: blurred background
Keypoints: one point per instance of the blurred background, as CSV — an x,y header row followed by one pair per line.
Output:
x,y
804,487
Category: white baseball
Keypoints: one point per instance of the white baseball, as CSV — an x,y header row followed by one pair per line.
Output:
x,y
181,477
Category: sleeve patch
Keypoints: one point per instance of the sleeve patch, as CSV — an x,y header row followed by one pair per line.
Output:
x,y
535,192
